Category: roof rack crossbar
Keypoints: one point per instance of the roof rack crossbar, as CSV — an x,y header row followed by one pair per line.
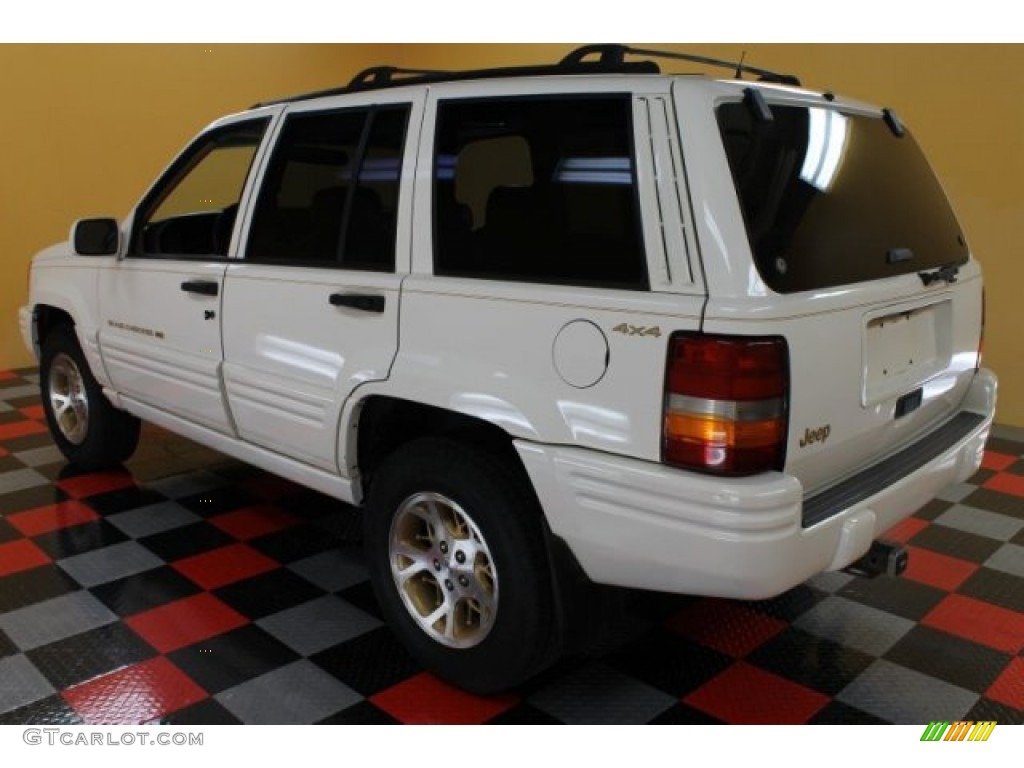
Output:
x,y
374,76
615,54
607,54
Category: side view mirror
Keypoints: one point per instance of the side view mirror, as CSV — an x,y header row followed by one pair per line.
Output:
x,y
96,237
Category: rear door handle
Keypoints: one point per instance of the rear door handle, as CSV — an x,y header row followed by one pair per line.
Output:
x,y
364,302
203,287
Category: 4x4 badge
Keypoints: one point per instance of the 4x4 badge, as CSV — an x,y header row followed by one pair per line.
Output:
x,y
637,330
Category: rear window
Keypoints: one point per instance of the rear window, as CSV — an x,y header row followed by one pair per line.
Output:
x,y
830,198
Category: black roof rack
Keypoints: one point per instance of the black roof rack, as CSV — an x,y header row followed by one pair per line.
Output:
x,y
588,59
375,76
617,53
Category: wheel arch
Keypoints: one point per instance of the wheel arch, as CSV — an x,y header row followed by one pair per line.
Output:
x,y
381,424
46,317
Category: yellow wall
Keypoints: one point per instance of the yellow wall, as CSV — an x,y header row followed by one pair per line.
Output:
x,y
84,129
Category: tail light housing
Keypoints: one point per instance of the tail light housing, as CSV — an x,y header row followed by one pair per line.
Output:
x,y
726,403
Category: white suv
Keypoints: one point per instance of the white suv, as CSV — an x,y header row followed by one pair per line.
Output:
x,y
549,323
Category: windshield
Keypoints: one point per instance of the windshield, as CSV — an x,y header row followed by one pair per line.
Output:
x,y
830,198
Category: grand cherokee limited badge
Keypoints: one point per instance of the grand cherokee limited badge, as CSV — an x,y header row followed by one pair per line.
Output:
x,y
135,329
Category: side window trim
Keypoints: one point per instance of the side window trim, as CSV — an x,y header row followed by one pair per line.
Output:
x,y
179,167
353,183
252,184
667,224
652,218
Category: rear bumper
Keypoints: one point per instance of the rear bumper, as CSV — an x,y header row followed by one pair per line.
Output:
x,y
637,524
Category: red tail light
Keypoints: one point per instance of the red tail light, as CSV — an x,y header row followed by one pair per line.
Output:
x,y
726,403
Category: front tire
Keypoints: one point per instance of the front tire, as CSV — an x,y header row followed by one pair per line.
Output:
x,y
90,432
456,554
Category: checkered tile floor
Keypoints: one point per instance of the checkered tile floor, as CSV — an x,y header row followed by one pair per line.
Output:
x,y
193,589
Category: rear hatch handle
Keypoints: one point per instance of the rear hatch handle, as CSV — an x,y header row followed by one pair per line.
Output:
x,y
945,273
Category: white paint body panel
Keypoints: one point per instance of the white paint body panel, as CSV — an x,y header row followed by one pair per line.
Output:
x,y
826,388
158,343
278,379
484,347
62,280
291,360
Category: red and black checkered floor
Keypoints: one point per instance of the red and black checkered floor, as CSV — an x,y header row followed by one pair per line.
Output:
x,y
193,589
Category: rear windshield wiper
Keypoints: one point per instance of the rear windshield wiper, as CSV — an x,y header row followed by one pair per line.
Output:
x,y
947,273
757,105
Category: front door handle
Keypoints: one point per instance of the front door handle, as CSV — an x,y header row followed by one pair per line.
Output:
x,y
362,301
203,287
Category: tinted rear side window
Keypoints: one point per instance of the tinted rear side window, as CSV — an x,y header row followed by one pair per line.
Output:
x,y
831,199
538,190
330,194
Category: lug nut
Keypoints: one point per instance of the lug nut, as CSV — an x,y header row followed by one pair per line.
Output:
x,y
448,583
463,581
437,565
444,547
460,556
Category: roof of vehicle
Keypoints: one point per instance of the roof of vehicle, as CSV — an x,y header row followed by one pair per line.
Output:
x,y
586,60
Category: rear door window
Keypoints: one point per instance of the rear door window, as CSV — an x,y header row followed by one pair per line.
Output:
x,y
831,198
330,193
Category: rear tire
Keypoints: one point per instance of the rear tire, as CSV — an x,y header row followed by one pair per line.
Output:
x,y
456,555
88,430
